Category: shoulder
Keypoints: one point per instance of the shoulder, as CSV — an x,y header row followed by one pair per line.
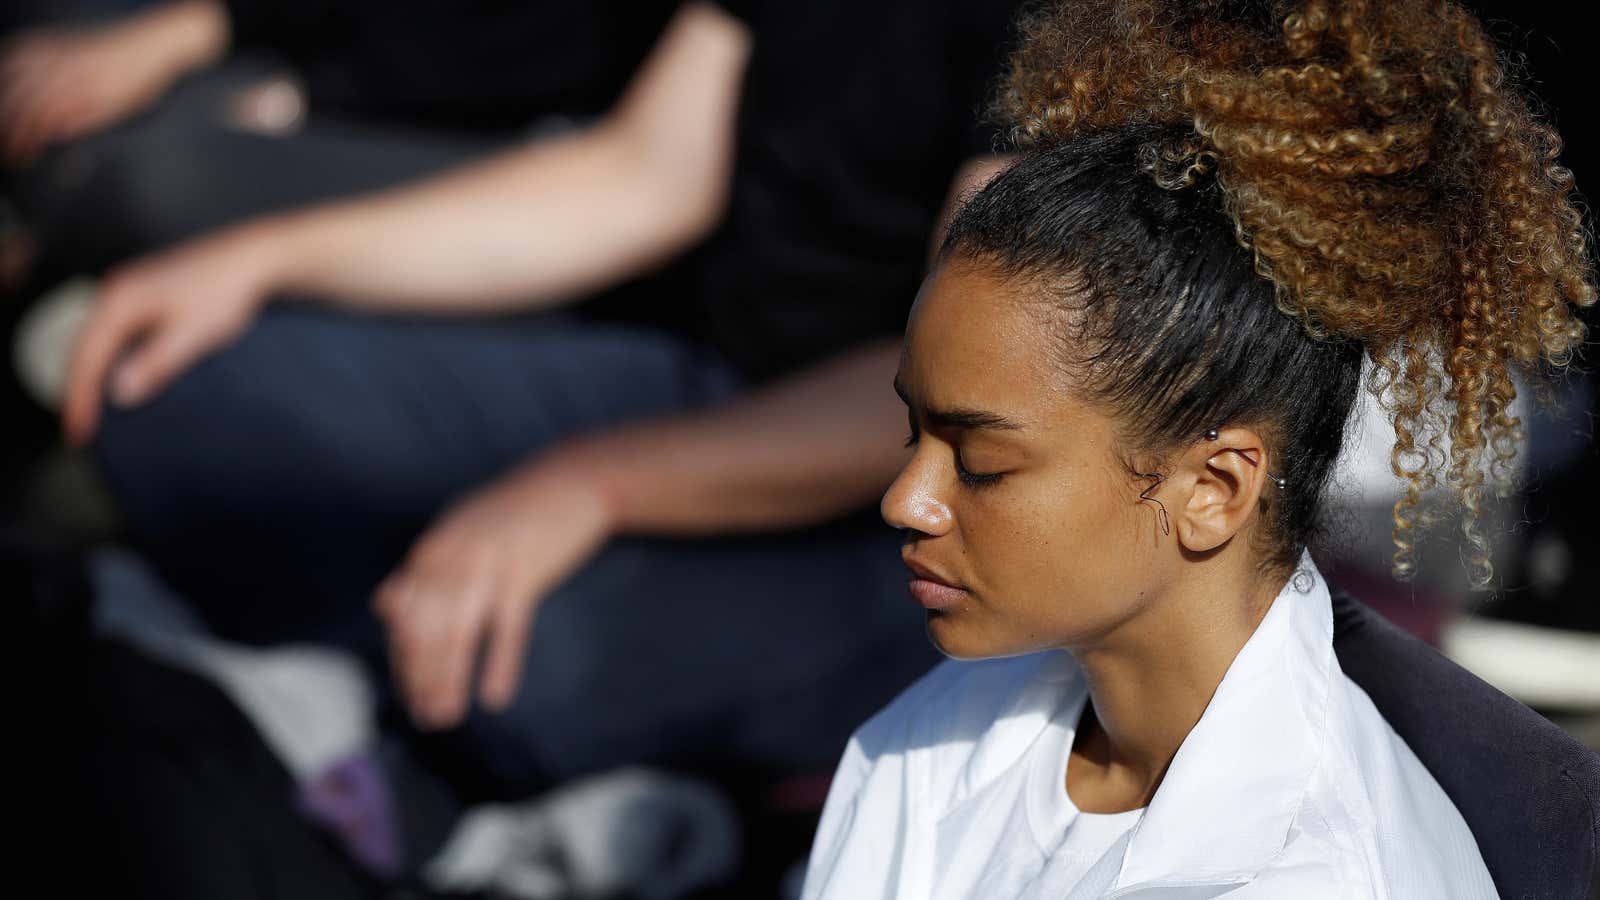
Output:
x,y
1375,811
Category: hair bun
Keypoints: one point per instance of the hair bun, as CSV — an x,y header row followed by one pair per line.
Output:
x,y
1179,162
1390,183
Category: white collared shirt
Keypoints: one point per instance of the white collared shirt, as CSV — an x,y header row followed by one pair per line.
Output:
x,y
1291,785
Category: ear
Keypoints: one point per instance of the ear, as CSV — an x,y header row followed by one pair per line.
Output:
x,y
1224,478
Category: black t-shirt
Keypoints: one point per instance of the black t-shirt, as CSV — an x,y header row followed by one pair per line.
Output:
x,y
854,118
489,65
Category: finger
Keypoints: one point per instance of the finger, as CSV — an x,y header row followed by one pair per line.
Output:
x,y
15,57
114,323
389,602
24,51
420,635
14,99
38,99
19,77
387,598
405,646
17,110
509,634
71,99
70,118
446,673
163,355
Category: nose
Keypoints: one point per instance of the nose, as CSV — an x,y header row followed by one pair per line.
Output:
x,y
913,502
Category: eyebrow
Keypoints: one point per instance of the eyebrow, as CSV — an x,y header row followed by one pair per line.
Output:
x,y
961,417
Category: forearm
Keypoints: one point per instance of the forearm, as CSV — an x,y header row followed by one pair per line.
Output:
x,y
530,228
798,452
547,222
185,35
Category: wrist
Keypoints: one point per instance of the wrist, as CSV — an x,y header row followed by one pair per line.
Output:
x,y
267,251
583,465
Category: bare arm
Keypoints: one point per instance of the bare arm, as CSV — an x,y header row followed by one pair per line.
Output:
x,y
796,453
548,222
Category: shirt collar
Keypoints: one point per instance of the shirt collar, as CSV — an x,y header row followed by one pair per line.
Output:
x,y
1225,806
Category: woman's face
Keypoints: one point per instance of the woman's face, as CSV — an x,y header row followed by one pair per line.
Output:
x,y
1025,530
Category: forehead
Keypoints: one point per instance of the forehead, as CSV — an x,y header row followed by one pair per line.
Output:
x,y
976,340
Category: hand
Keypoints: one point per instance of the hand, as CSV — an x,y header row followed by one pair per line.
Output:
x,y
474,580
178,307
59,84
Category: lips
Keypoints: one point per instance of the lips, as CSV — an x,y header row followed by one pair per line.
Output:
x,y
932,590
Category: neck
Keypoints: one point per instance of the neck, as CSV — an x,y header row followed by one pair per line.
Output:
x,y
1151,679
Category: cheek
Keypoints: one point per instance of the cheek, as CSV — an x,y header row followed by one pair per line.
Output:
x,y
1080,527
1059,555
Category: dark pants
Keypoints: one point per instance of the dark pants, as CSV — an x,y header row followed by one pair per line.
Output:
x,y
275,484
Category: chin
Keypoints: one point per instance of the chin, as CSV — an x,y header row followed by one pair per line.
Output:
x,y
946,636
954,634
960,634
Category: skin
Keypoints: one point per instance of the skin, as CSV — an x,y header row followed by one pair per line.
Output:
x,y
1018,494
535,227
798,452
59,84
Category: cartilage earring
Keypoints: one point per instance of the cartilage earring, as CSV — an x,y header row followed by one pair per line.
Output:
x,y
1279,480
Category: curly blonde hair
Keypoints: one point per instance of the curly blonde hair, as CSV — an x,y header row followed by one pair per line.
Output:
x,y
1388,180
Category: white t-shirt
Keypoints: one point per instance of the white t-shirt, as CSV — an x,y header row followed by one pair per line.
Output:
x,y
1290,785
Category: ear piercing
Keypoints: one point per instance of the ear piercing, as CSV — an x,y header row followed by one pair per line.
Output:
x,y
1279,480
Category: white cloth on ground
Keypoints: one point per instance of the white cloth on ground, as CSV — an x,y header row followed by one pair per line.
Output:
x,y
313,706
631,831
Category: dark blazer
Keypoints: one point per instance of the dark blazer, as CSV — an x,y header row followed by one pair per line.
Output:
x,y
1528,790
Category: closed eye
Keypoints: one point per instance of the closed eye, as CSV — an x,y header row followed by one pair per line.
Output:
x,y
975,479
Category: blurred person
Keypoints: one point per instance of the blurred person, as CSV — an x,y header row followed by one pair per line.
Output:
x,y
492,65
109,121
1128,379
662,484
62,83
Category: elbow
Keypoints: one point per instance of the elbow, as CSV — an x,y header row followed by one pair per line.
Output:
x,y
679,194
690,209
